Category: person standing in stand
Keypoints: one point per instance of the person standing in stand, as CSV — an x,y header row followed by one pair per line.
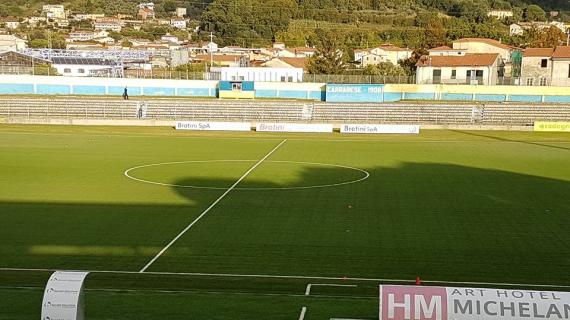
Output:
x,y
126,94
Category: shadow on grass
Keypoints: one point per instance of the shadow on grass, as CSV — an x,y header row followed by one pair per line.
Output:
x,y
477,134
441,221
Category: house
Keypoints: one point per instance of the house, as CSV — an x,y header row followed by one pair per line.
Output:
x,y
86,35
84,46
108,24
169,38
84,67
286,62
146,12
54,11
546,66
383,53
516,30
11,23
61,23
484,45
471,68
10,42
179,23
500,14
536,66
88,16
446,51
181,12
520,28
262,74
223,60
561,66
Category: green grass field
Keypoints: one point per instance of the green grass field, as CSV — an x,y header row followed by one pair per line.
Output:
x,y
492,208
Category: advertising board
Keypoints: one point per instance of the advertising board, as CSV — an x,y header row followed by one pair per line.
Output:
x,y
552,126
354,92
452,303
213,126
63,296
380,128
293,127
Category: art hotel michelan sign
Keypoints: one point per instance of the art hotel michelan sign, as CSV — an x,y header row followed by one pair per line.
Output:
x,y
448,303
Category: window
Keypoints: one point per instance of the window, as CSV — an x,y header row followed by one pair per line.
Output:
x,y
236,86
544,63
81,70
283,79
66,70
241,78
542,81
529,81
569,71
290,79
453,74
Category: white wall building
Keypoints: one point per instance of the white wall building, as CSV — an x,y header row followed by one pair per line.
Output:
x,y
84,67
383,53
54,11
181,12
108,25
179,23
10,42
471,68
262,74
500,14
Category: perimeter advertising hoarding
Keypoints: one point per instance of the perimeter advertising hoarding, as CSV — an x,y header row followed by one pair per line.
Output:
x,y
380,128
63,296
293,127
448,303
355,93
213,126
552,126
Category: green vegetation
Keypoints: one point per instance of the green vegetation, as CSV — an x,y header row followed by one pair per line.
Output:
x,y
444,205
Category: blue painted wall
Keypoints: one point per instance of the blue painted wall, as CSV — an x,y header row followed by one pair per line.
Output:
x,y
91,90
53,89
16,88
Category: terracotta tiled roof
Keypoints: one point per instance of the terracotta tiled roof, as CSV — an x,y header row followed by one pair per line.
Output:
x,y
389,47
442,48
538,52
295,62
219,58
492,42
561,52
471,59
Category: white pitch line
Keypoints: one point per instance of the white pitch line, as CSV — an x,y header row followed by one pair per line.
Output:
x,y
296,277
211,206
310,285
302,315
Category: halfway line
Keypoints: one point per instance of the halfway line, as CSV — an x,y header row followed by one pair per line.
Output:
x,y
210,207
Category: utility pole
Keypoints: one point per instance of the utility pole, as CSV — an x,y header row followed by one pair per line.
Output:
x,y
568,37
211,50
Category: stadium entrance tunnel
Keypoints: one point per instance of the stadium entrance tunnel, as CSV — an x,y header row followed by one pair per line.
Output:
x,y
443,222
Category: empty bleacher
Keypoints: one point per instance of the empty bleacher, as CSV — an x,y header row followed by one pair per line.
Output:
x,y
285,111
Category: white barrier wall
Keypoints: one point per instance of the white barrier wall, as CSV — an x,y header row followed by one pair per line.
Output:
x,y
26,84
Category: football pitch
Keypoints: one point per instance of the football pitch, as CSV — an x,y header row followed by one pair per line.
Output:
x,y
185,225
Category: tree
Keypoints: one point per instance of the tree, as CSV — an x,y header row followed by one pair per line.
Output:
x,y
329,58
534,13
545,38
169,6
384,69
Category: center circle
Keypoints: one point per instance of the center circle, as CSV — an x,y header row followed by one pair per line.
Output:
x,y
278,170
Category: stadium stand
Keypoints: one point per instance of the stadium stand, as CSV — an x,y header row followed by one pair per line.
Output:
x,y
235,110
